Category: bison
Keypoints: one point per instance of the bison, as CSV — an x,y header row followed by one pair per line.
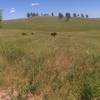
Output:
x,y
24,34
53,34
32,33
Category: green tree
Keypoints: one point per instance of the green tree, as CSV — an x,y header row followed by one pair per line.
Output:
x,y
28,15
74,15
60,15
52,14
87,16
82,16
68,16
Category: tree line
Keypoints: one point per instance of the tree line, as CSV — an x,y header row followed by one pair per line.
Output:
x,y
67,15
74,15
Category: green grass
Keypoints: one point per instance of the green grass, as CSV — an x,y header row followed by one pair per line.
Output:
x,y
66,67
53,24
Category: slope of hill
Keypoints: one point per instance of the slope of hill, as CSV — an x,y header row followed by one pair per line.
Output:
x,y
64,67
53,24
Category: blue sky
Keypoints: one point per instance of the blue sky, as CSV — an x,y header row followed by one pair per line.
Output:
x,y
18,8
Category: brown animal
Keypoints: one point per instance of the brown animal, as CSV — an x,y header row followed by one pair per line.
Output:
x,y
53,34
32,33
24,34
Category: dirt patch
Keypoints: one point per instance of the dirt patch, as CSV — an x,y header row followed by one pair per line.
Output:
x,y
4,95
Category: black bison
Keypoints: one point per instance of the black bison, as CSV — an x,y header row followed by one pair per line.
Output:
x,y
53,34
24,34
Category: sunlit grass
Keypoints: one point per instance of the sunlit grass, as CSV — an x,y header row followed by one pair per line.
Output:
x,y
65,67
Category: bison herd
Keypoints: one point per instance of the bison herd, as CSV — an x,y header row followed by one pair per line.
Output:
x,y
53,34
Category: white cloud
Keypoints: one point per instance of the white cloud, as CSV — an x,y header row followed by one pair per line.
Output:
x,y
35,4
12,11
12,8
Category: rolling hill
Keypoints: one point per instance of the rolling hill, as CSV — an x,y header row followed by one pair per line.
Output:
x,y
53,24
64,67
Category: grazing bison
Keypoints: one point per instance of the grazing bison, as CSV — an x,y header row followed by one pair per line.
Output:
x,y
32,33
24,34
53,34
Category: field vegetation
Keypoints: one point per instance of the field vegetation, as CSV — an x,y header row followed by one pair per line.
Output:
x,y
64,67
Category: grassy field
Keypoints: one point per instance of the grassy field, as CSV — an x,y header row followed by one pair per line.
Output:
x,y
65,67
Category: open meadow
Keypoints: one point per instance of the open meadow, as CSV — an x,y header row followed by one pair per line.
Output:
x,y
61,67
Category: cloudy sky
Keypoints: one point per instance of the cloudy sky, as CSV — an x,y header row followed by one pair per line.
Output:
x,y
18,8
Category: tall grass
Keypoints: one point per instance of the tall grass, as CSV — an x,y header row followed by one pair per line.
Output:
x,y
62,68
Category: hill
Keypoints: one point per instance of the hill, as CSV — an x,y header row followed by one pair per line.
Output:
x,y
40,66
53,24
